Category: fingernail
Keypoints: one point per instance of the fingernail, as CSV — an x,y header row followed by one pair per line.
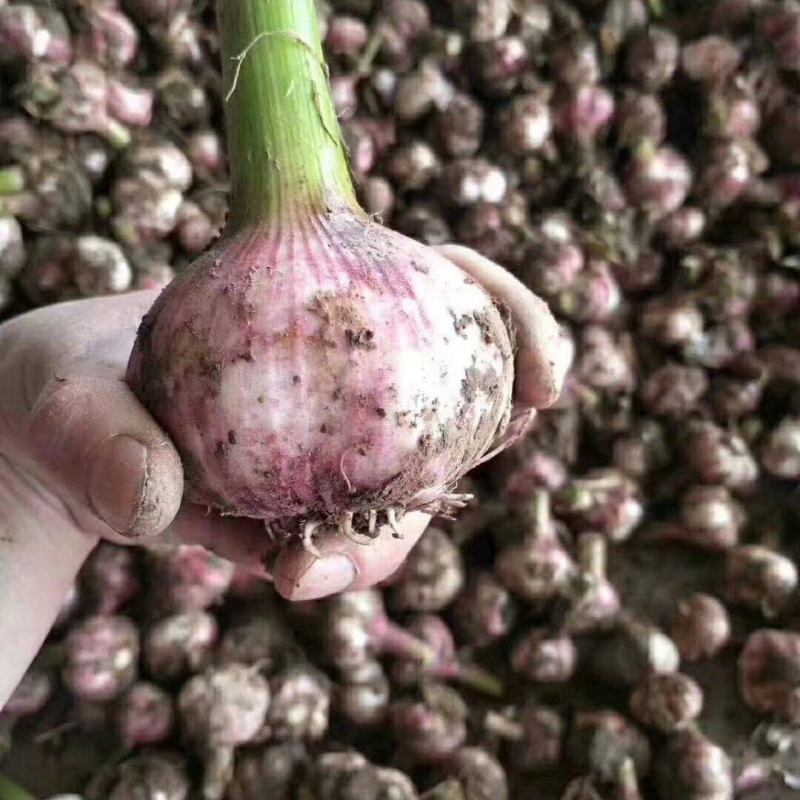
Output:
x,y
117,482
325,576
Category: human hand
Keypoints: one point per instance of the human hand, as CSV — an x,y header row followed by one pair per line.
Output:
x,y
82,460
544,355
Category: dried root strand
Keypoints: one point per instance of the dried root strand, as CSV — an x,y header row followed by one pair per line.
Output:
x,y
361,526
307,537
346,528
448,505
392,521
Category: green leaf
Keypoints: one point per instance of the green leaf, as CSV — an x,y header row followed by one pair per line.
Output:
x,y
10,791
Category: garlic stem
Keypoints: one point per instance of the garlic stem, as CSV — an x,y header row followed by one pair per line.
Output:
x,y
285,146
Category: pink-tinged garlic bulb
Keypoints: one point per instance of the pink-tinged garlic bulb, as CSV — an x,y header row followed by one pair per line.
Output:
x,y
324,373
180,645
220,709
34,33
363,695
538,568
101,655
150,774
145,715
111,577
313,367
300,705
431,729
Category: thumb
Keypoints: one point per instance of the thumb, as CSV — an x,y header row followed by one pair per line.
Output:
x,y
105,456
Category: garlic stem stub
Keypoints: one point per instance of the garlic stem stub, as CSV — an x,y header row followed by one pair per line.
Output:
x,y
313,367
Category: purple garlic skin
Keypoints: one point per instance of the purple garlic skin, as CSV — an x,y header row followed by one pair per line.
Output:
x,y
484,611
223,707
691,767
377,782
769,671
145,715
700,626
306,407
432,575
101,656
601,740
156,773
34,33
180,644
189,577
480,774
430,731
545,658
667,702
267,772
111,577
363,697
111,39
780,454
300,705
542,744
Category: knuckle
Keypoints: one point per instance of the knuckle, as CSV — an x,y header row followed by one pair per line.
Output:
x,y
65,394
